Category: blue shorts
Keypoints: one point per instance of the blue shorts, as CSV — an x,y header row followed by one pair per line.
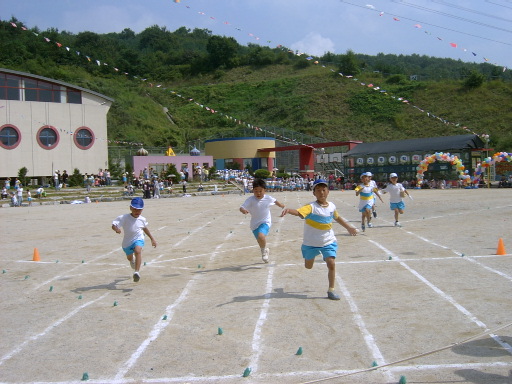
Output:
x,y
309,252
399,205
366,207
263,228
129,250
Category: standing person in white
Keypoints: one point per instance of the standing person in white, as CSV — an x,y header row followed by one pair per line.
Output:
x,y
258,205
396,194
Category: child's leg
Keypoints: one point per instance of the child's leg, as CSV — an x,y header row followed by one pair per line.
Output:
x,y
262,240
308,263
397,211
138,257
331,274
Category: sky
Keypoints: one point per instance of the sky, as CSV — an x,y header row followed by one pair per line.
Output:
x,y
470,30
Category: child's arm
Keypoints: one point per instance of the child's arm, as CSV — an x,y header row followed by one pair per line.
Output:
x,y
350,229
378,194
153,241
280,205
244,211
116,228
291,211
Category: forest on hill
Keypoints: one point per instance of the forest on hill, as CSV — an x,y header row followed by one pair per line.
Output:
x,y
182,87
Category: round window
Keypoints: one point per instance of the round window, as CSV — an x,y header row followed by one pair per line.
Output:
x,y
84,138
48,137
10,137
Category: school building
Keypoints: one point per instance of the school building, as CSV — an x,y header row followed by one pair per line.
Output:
x,y
48,125
403,156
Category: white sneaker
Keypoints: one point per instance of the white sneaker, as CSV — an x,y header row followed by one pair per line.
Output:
x,y
132,262
136,277
397,224
265,254
370,225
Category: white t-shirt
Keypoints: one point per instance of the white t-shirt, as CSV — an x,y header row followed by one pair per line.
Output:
x,y
132,228
394,192
259,210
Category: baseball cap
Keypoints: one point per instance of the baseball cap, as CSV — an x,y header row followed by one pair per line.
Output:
x,y
318,182
137,203
369,174
393,175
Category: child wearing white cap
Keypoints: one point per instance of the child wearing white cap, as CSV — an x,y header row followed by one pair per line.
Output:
x,y
366,192
134,226
396,193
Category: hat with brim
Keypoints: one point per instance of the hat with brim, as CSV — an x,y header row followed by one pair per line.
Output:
x,y
137,203
319,182
393,175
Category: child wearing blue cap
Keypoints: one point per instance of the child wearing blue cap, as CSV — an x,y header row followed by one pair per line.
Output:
x,y
134,226
319,236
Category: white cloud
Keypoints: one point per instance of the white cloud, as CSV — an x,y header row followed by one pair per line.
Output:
x,y
314,44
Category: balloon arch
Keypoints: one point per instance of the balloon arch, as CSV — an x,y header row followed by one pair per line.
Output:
x,y
488,161
440,156
454,160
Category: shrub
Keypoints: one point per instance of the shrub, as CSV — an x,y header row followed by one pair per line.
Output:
x,y
262,173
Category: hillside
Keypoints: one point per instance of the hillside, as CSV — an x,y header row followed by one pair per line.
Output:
x,y
191,86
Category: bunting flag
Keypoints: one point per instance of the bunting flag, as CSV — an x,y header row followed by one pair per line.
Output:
x,y
418,26
259,129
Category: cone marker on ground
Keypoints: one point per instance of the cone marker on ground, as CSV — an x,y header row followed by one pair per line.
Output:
x,y
247,372
80,297
374,364
390,258
299,351
165,317
26,277
501,248
36,255
115,303
85,376
220,331
51,288
402,380
4,271
83,261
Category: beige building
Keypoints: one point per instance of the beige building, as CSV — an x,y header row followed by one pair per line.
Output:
x,y
48,125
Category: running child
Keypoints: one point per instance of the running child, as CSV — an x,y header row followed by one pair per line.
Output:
x,y
396,194
319,236
366,192
134,226
258,205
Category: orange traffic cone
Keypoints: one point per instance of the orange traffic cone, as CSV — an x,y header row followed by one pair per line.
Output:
x,y
501,248
36,255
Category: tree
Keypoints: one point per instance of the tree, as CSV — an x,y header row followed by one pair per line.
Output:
x,y
221,51
474,80
349,64
22,176
76,179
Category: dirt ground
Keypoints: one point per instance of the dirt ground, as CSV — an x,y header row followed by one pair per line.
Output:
x,y
208,310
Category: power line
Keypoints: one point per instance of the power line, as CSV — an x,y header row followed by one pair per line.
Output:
x,y
426,23
473,10
402,2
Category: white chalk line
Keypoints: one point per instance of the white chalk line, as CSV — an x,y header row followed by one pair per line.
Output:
x,y
446,297
20,347
358,319
256,338
297,374
161,325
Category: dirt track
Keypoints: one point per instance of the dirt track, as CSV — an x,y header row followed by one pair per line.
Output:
x,y
405,291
